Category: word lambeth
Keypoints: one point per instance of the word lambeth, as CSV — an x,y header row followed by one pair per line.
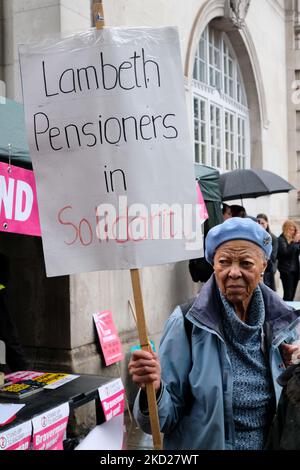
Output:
x,y
129,74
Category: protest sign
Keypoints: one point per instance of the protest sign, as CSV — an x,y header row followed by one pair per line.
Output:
x,y
18,201
112,397
108,337
16,438
108,134
49,428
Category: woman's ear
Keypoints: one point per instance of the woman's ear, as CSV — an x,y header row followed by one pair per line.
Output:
x,y
265,262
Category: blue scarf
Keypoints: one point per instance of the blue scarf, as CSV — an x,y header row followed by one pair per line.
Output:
x,y
252,393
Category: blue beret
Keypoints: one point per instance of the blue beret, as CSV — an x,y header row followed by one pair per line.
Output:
x,y
237,228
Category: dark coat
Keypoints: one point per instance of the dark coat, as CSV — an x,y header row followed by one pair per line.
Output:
x,y
285,430
272,262
288,255
269,275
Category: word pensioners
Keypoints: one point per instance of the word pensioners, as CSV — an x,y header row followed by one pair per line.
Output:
x,y
112,130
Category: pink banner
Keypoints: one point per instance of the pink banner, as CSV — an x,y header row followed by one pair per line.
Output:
x,y
18,201
112,397
17,438
114,405
49,429
203,210
108,337
23,444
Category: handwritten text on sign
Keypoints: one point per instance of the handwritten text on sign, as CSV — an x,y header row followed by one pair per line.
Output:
x,y
18,201
108,337
108,133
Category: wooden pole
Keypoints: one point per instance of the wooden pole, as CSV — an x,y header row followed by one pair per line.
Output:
x,y
98,16
145,345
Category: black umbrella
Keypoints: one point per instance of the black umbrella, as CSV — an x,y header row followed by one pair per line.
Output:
x,y
243,184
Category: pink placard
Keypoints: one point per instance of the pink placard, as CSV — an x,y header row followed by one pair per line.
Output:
x,y
108,337
112,397
17,438
23,444
203,210
49,428
18,201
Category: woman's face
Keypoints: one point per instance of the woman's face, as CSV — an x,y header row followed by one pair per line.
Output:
x,y
291,231
238,265
263,223
227,214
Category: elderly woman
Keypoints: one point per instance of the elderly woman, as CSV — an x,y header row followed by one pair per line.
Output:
x,y
217,388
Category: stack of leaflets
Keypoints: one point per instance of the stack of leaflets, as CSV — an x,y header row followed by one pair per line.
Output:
x,y
21,384
21,389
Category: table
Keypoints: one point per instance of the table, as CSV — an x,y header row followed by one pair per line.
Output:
x,y
79,391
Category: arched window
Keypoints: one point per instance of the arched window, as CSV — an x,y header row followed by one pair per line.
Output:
x,y
221,116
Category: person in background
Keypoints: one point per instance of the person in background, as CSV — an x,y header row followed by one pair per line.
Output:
x,y
226,211
15,357
285,430
216,387
238,211
269,275
288,258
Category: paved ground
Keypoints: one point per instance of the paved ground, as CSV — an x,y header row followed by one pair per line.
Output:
x,y
136,438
